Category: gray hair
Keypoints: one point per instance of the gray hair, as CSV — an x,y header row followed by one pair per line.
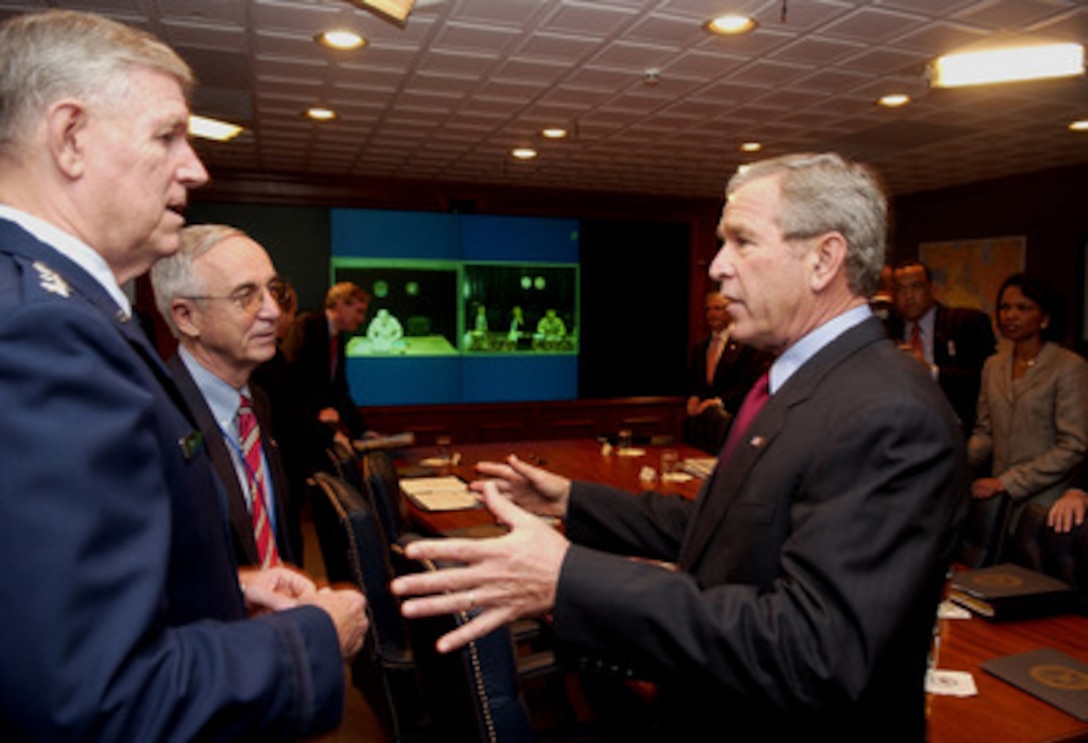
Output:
x,y
172,276
828,193
48,56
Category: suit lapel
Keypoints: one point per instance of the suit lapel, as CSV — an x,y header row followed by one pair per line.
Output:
x,y
730,477
235,502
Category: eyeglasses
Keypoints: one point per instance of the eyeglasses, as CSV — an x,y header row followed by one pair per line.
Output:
x,y
248,298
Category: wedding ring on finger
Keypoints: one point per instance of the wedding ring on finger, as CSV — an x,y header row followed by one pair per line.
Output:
x,y
471,600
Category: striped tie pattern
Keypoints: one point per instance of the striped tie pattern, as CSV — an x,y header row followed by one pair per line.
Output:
x,y
250,434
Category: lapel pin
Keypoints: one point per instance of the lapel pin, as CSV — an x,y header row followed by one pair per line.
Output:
x,y
191,444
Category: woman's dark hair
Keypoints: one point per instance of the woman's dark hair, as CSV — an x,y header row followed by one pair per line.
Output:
x,y
1044,295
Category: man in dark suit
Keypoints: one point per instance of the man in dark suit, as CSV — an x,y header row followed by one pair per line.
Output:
x,y
952,342
314,350
809,569
125,617
720,373
220,297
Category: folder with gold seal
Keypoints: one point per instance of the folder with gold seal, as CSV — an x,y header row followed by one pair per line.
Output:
x,y
1049,674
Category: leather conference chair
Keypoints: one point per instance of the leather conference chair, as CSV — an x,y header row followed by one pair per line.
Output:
x,y
982,540
388,501
1037,546
355,551
473,694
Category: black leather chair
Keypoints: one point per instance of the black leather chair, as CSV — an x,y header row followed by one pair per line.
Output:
x,y
473,694
1038,547
355,551
388,501
982,540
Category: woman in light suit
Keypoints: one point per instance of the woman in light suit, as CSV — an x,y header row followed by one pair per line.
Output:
x,y
1033,406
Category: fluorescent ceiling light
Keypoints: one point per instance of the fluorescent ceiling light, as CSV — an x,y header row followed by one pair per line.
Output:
x,y
394,11
751,147
523,153
554,132
206,128
1079,126
1011,64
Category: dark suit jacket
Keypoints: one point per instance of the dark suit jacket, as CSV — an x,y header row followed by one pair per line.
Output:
x,y
241,522
810,567
963,338
122,614
307,352
738,368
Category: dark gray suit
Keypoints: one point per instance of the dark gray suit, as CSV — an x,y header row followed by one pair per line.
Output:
x,y
810,567
245,546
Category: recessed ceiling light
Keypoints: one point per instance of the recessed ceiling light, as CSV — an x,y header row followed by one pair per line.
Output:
x,y
340,39
320,113
554,132
1079,126
894,100
730,24
208,128
1007,64
751,147
523,153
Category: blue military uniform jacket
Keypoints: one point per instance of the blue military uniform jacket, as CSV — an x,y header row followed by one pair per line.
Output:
x,y
122,615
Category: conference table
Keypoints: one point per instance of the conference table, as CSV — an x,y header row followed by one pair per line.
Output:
x,y
998,713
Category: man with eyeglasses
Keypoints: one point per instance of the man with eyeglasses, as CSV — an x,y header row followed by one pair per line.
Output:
x,y
220,298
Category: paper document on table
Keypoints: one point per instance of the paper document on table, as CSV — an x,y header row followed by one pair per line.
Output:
x,y
699,466
447,493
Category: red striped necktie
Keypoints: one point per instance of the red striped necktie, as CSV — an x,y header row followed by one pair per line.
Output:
x,y
250,434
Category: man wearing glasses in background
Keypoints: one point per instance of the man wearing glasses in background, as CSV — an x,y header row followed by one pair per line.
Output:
x,y
220,297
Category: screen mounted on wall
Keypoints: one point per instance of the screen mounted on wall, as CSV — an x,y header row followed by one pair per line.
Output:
x,y
464,308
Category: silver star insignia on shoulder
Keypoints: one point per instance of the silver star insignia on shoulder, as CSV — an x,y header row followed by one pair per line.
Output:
x,y
51,281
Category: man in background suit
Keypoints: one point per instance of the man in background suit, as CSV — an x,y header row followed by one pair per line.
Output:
x,y
220,297
315,352
125,617
952,342
720,373
809,569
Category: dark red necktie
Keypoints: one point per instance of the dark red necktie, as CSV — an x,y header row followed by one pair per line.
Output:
x,y
749,409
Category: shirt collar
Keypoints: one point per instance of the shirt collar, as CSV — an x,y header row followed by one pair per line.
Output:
x,y
222,398
71,248
800,352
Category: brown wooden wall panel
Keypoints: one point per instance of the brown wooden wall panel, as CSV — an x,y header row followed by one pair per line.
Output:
x,y
657,417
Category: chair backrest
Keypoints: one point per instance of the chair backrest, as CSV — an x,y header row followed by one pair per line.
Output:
x,y
983,538
343,463
355,551
384,486
354,548
1037,546
473,694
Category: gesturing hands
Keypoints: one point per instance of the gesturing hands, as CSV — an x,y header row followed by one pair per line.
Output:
x,y
507,577
535,489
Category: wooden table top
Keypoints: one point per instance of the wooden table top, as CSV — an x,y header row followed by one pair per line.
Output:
x,y
578,459
1000,713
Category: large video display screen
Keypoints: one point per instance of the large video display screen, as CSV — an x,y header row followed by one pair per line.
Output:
x,y
464,308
